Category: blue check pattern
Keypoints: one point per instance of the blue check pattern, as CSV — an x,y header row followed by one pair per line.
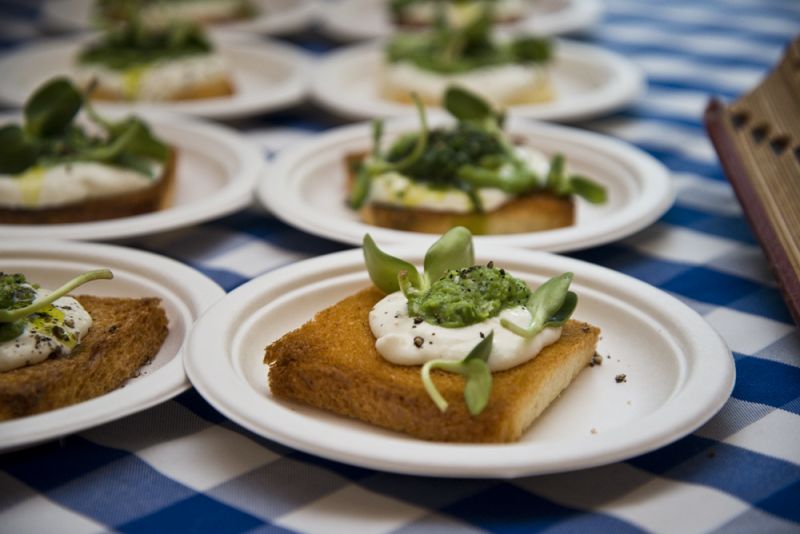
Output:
x,y
181,466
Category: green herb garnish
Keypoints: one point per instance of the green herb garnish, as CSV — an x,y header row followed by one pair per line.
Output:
x,y
133,45
475,153
17,299
550,306
451,50
475,370
50,135
454,292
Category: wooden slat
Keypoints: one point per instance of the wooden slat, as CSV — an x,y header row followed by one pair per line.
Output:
x,y
758,141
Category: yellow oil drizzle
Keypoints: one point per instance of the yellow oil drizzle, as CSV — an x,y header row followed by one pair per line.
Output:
x,y
132,81
44,320
30,185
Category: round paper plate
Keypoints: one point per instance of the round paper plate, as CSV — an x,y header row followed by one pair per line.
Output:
x,y
588,82
273,17
351,20
678,372
184,294
267,76
215,175
305,186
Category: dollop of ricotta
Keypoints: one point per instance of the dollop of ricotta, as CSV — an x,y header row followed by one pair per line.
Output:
x,y
158,81
395,189
500,85
42,187
57,329
403,341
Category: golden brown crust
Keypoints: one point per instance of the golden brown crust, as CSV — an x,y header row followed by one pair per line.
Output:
x,y
209,89
145,200
331,363
126,334
532,212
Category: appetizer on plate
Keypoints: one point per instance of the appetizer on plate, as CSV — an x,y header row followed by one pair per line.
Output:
x,y
137,62
462,352
155,13
469,174
457,12
56,169
505,72
57,350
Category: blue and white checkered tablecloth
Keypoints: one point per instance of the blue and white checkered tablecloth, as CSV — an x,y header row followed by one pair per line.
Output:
x,y
181,466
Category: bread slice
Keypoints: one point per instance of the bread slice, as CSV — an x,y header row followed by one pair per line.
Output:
x,y
210,89
151,198
531,212
126,334
331,363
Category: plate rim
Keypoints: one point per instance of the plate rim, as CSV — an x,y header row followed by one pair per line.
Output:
x,y
295,89
627,87
239,191
27,431
580,16
657,189
216,375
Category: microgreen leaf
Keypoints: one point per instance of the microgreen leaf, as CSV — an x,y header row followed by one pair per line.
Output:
x,y
466,106
478,376
377,135
453,250
360,190
549,305
532,49
384,269
587,189
422,138
556,176
17,152
52,107
10,316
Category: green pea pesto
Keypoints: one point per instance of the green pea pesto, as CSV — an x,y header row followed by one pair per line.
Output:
x,y
463,297
15,293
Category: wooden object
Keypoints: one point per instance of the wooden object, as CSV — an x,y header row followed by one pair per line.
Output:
x,y
757,139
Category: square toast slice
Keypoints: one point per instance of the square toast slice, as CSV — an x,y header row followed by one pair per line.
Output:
x,y
331,363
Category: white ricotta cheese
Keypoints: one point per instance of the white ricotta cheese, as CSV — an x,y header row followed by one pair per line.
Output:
x,y
395,334
158,81
58,328
500,85
396,189
42,187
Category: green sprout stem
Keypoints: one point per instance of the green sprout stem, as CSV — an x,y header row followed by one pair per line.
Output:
x,y
10,316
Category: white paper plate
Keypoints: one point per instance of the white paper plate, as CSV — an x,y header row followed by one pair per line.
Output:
x,y
305,186
275,16
215,176
267,76
350,20
679,372
588,81
184,293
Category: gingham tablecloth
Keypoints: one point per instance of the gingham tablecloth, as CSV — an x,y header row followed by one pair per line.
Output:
x,y
181,466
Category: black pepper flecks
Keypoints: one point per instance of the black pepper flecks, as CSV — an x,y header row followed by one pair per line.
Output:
x,y
620,378
418,341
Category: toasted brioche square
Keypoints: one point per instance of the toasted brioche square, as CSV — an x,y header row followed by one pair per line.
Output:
x,y
126,334
144,200
331,363
209,89
539,210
